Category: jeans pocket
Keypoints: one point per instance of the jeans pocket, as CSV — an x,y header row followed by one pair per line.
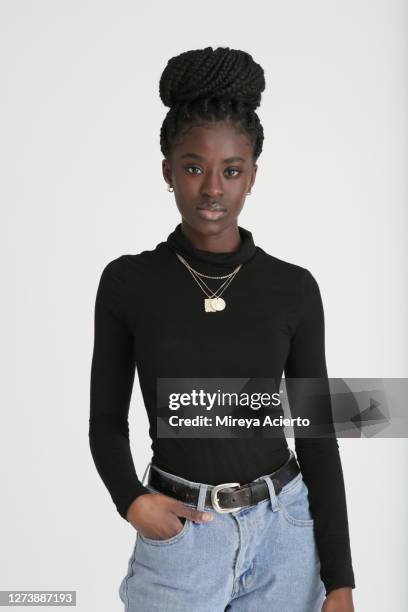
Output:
x,y
167,541
294,503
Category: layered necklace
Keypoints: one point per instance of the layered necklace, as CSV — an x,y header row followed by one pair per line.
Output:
x,y
213,302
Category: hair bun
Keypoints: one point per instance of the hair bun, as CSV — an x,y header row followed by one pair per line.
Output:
x,y
220,73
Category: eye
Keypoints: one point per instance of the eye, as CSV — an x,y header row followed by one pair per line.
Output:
x,y
195,167
233,170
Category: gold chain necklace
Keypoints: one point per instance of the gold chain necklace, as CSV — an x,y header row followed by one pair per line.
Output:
x,y
213,302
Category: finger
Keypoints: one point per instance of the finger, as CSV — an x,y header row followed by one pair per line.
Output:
x,y
169,528
176,524
198,516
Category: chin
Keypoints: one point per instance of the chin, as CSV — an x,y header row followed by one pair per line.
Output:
x,y
205,227
208,226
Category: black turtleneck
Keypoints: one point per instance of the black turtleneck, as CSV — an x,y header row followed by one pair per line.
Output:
x,y
179,242
149,316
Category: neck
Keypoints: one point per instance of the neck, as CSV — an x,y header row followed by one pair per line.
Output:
x,y
222,251
227,240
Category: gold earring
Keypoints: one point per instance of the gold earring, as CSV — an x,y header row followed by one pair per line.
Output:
x,y
170,188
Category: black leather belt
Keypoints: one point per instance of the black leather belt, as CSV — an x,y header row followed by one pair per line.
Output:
x,y
226,497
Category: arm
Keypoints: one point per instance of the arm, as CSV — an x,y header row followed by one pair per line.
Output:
x,y
112,376
319,459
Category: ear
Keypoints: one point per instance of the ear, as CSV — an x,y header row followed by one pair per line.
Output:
x,y
253,177
166,169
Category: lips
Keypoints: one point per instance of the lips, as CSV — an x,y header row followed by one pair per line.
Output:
x,y
211,214
215,208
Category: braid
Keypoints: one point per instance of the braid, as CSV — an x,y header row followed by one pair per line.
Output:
x,y
211,85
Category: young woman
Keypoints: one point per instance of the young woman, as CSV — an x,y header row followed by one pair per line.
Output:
x,y
208,303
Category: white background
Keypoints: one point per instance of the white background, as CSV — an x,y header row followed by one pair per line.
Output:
x,y
82,184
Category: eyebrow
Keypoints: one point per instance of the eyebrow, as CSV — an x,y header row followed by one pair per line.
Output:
x,y
228,160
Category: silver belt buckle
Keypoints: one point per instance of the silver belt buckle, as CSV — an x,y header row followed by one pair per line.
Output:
x,y
214,498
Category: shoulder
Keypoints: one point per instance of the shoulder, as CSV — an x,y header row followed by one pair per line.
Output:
x,y
288,273
296,282
127,266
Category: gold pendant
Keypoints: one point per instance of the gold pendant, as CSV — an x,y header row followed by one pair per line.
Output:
x,y
214,304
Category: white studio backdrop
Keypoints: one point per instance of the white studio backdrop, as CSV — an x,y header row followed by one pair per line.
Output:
x,y
82,184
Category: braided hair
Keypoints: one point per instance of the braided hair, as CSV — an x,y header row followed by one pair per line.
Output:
x,y
208,85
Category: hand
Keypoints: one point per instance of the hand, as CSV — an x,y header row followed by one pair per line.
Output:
x,y
339,600
156,515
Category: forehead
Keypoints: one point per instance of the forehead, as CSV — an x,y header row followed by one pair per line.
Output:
x,y
213,140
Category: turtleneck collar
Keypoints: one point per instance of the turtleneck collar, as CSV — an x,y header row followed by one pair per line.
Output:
x,y
179,242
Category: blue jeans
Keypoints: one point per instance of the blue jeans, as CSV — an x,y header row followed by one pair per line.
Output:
x,y
261,558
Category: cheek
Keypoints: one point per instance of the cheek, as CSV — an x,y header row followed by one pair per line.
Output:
x,y
186,183
236,191
238,202
186,194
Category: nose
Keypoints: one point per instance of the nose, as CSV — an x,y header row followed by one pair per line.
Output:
x,y
211,186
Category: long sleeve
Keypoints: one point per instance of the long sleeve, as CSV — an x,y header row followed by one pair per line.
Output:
x,y
112,377
319,458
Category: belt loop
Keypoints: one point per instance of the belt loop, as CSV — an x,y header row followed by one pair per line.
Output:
x,y
201,497
272,494
145,472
